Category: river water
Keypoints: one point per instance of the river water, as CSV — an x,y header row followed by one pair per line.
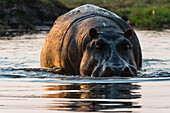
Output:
x,y
23,89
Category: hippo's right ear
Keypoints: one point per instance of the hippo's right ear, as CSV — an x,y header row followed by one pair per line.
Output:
x,y
93,32
128,33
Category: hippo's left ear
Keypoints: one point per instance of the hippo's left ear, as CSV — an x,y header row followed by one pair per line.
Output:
x,y
128,33
93,32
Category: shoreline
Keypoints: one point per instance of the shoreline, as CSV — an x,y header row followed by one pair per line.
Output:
x,y
20,16
44,28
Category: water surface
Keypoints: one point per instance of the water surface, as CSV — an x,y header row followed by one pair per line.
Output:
x,y
32,91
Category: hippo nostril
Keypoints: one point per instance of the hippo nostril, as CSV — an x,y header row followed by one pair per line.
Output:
x,y
106,72
126,70
108,69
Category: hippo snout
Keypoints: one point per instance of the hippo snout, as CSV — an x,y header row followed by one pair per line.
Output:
x,y
129,71
108,71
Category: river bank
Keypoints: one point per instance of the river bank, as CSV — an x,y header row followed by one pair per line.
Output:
x,y
18,17
23,15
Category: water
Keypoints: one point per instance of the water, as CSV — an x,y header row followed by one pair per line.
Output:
x,y
26,90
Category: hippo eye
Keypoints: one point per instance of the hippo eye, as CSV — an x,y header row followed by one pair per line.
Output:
x,y
126,45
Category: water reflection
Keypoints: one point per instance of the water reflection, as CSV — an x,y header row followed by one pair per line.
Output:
x,y
93,97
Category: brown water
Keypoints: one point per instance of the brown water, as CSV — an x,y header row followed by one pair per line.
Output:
x,y
33,91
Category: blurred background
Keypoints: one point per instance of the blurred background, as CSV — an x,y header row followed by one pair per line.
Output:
x,y
40,14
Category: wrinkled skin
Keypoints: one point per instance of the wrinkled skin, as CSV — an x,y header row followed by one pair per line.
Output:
x,y
92,41
108,55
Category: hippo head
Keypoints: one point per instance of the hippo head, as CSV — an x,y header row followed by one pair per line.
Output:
x,y
108,54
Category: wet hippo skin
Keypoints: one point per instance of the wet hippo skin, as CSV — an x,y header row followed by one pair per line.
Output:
x,y
92,41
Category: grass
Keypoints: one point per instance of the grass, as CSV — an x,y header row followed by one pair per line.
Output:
x,y
152,17
150,14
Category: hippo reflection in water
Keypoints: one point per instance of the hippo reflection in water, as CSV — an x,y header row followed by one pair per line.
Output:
x,y
92,41
93,97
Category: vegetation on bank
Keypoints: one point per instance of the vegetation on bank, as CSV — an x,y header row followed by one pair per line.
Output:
x,y
149,14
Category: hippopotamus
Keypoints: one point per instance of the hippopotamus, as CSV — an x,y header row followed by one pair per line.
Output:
x,y
90,40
